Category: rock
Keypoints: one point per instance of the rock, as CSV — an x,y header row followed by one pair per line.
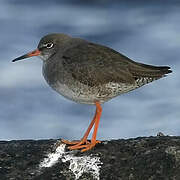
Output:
x,y
143,158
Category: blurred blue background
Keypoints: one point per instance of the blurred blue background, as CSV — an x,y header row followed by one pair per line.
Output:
x,y
145,31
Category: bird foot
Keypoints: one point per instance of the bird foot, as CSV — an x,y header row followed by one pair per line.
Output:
x,y
69,142
85,145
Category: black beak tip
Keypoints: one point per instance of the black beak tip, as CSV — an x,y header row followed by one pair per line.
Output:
x,y
14,60
20,58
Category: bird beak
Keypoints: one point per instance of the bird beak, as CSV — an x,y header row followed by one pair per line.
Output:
x,y
30,54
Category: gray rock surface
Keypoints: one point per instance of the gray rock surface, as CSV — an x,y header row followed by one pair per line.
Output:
x,y
143,158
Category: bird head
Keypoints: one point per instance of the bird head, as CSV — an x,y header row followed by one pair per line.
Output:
x,y
48,46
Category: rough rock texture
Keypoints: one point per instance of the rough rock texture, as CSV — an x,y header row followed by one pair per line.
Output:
x,y
144,158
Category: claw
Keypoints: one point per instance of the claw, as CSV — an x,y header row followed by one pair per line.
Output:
x,y
81,145
90,146
69,142
85,145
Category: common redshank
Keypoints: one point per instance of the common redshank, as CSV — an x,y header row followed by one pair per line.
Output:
x,y
90,73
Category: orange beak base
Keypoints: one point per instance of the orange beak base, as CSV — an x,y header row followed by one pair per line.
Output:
x,y
30,54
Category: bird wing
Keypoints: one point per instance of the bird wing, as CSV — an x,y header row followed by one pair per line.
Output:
x,y
94,64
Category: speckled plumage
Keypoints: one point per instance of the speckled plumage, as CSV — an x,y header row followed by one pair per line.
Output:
x,y
86,72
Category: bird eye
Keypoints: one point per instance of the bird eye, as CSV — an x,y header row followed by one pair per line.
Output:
x,y
49,45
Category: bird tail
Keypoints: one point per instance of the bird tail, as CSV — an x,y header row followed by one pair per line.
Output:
x,y
144,70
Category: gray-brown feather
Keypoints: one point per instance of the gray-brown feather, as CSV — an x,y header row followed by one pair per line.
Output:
x,y
89,72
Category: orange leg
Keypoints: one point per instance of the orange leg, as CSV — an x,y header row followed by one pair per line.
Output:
x,y
83,143
84,139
